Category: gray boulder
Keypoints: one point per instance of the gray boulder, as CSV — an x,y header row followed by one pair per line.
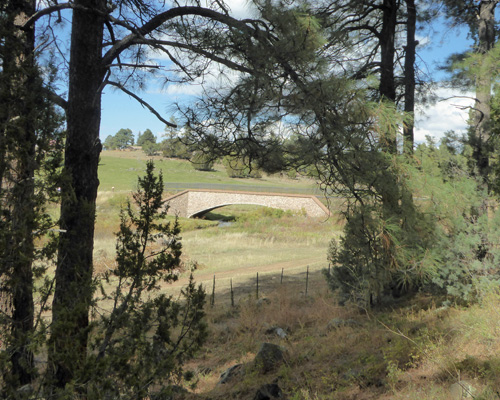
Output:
x,y
276,330
230,373
25,391
262,301
461,390
269,357
269,392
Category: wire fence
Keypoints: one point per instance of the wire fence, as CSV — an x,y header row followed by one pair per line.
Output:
x,y
302,281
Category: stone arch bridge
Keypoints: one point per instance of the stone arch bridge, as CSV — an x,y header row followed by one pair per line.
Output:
x,y
195,202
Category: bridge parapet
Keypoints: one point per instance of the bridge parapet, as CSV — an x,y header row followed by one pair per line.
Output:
x,y
190,203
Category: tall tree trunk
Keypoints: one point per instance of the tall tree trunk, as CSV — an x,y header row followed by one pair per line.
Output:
x,y
387,37
409,75
388,186
18,166
387,86
73,292
482,116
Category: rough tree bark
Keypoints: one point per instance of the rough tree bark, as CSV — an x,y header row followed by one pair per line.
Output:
x,y
73,292
388,188
387,50
409,75
17,173
482,115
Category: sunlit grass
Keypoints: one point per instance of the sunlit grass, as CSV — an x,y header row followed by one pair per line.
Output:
x,y
246,243
414,350
120,169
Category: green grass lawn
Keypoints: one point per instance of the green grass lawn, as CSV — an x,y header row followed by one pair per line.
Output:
x,y
119,169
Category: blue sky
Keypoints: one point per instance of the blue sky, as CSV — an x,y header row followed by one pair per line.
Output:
x,y
452,113
121,111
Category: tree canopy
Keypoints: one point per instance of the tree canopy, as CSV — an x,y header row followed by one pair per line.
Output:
x,y
120,140
146,136
324,86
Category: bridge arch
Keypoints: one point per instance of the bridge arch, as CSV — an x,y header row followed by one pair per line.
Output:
x,y
200,213
191,203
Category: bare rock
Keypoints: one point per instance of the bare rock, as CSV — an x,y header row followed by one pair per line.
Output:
x,y
461,390
269,357
230,373
269,392
276,330
26,390
262,301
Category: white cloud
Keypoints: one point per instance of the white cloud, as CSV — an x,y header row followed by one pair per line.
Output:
x,y
237,8
240,8
216,75
450,112
423,40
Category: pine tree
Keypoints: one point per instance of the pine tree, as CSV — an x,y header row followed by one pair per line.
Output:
x,y
30,155
138,348
102,38
480,19
147,136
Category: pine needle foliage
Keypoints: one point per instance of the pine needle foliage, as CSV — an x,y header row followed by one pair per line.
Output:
x,y
138,348
467,231
381,257
31,143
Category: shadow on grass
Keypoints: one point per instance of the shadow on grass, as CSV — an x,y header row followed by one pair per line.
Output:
x,y
213,216
245,287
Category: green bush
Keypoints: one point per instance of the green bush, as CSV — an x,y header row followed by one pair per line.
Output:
x,y
468,231
238,168
174,148
202,161
445,239
139,347
377,258
150,148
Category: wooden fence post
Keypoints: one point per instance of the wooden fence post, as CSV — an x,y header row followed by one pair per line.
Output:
x,y
212,300
307,279
232,294
257,288
281,280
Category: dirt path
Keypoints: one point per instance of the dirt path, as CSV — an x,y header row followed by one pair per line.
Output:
x,y
204,278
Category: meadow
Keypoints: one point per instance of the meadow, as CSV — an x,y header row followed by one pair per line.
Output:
x,y
254,238
414,348
119,170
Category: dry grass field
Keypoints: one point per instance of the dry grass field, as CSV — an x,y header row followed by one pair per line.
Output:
x,y
415,349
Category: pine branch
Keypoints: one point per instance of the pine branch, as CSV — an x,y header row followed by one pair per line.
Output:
x,y
160,19
143,103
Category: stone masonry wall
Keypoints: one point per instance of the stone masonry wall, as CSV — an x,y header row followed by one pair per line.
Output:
x,y
191,202
178,204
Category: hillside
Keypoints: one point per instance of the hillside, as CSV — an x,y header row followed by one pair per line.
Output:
x,y
119,169
414,349
391,293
